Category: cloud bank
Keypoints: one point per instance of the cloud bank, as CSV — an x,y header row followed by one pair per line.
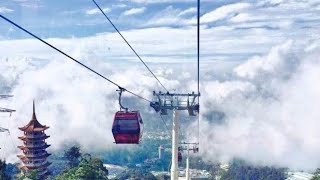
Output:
x,y
5,10
134,11
97,11
267,112
259,88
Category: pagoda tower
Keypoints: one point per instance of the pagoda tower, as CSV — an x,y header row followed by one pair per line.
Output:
x,y
34,156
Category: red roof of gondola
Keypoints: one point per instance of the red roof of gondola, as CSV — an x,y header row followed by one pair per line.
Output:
x,y
129,114
34,124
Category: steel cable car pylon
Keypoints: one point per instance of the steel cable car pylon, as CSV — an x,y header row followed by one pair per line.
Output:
x,y
127,125
177,102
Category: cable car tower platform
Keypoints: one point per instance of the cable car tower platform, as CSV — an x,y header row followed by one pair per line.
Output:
x,y
5,110
175,102
171,101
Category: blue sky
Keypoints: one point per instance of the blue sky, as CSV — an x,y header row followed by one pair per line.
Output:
x,y
230,30
81,17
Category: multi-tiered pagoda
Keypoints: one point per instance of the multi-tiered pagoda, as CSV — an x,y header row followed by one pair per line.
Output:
x,y
34,156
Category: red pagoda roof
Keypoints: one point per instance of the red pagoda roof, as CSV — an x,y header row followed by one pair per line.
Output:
x,y
28,167
26,157
34,124
25,138
34,148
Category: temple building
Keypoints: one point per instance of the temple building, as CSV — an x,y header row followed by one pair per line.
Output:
x,y
34,157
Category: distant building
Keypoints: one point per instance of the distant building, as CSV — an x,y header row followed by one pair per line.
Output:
x,y
150,161
225,166
34,156
161,152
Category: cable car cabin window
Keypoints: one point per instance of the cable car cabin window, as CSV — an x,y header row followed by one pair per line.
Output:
x,y
126,124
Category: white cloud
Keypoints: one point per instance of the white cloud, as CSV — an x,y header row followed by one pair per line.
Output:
x,y
171,17
270,117
224,12
119,5
32,5
267,64
20,0
5,10
243,17
189,11
134,11
97,11
271,2
164,1
151,1
69,96
268,109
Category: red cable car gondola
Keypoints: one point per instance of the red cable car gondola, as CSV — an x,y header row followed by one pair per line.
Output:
x,y
127,125
179,156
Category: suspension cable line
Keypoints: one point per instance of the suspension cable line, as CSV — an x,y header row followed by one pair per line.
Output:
x,y
130,46
13,143
198,58
198,48
164,122
65,54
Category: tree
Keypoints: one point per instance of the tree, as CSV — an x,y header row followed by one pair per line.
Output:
x,y
12,170
73,155
88,169
316,175
163,177
136,174
3,174
242,171
34,175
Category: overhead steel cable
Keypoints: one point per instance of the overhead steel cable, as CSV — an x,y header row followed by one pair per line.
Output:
x,y
12,142
130,45
198,58
80,63
198,47
164,122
